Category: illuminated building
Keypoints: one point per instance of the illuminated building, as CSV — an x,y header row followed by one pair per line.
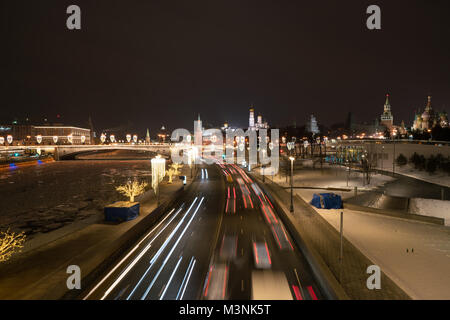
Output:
x,y
387,119
429,119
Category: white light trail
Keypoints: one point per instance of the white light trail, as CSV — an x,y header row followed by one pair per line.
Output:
x,y
186,276
131,265
134,249
160,250
170,279
171,251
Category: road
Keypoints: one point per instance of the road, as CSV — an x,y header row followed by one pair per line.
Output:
x,y
204,246
254,220
171,260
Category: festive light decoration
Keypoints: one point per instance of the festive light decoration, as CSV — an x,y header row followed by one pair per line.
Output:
x,y
39,138
55,139
83,139
158,171
10,242
112,138
2,140
132,189
103,138
70,138
173,171
135,138
290,145
9,138
128,138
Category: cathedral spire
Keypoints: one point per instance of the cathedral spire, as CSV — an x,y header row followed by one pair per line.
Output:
x,y
387,99
428,107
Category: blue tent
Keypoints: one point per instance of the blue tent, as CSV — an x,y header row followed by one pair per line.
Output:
x,y
327,201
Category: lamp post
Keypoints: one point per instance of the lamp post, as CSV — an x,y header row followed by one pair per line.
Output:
x,y
393,160
292,179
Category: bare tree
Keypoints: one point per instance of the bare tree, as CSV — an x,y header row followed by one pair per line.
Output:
x,y
10,242
173,171
132,189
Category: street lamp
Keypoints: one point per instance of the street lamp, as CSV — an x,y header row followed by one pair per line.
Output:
x,y
393,160
292,178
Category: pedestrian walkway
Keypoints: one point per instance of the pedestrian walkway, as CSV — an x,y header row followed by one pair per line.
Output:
x,y
415,255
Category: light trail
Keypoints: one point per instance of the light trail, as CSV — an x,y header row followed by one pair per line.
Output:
x,y
136,259
188,275
171,251
148,269
170,279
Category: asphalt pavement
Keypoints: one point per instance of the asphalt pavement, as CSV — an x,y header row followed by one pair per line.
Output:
x,y
205,246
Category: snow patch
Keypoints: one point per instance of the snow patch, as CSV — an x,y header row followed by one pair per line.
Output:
x,y
431,208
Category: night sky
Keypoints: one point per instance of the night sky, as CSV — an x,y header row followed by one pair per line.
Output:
x,y
156,63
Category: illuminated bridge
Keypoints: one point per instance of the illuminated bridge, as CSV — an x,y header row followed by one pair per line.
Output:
x,y
69,151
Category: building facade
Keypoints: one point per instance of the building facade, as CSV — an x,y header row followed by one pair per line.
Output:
x,y
260,124
429,119
46,135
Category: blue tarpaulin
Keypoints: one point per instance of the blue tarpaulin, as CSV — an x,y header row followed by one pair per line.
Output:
x,y
122,211
327,201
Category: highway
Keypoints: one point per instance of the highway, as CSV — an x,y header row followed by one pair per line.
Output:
x,y
251,219
207,245
171,260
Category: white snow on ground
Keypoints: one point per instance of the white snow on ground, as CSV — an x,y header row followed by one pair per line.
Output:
x,y
330,177
431,207
424,273
439,177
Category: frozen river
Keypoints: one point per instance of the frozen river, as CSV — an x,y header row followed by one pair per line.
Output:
x,y
47,196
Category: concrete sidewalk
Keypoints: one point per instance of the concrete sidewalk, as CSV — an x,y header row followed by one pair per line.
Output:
x,y
40,273
318,234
